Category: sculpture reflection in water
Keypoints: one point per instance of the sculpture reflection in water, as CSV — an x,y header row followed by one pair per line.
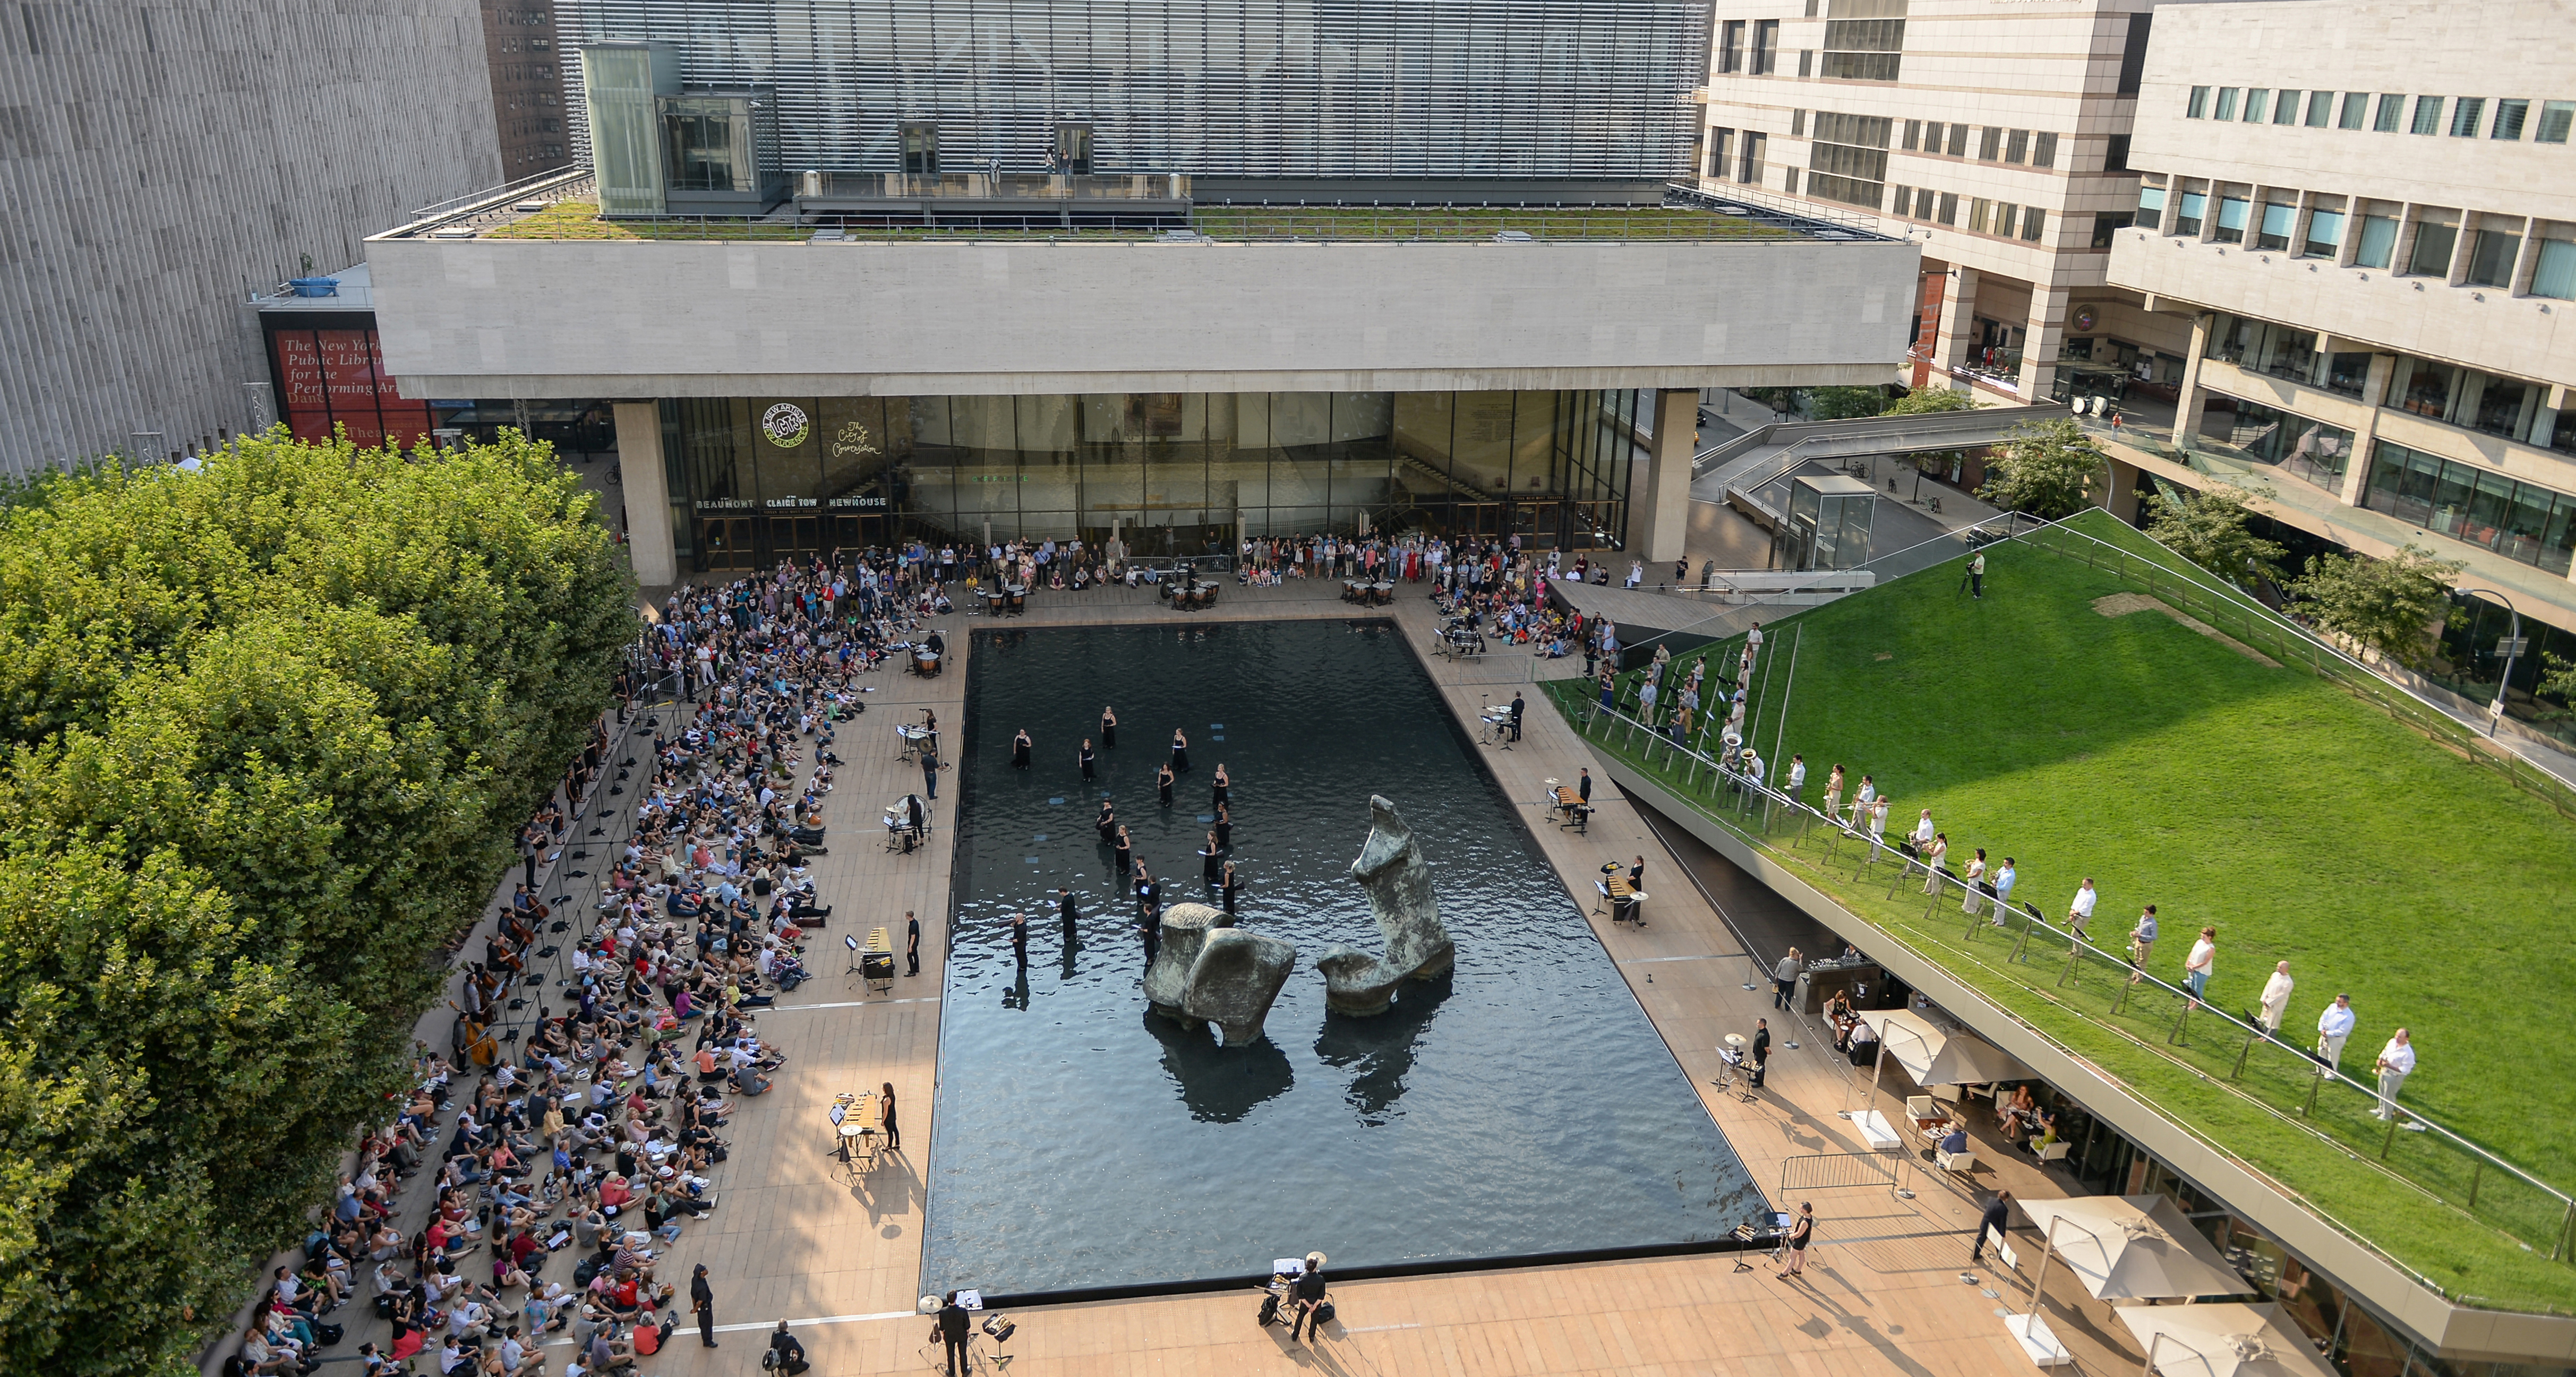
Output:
x,y
1220,1085
1381,1048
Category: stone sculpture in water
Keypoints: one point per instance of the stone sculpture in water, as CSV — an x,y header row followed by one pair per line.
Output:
x,y
1390,868
1209,971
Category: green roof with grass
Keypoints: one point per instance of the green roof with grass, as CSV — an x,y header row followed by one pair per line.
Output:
x,y
2229,784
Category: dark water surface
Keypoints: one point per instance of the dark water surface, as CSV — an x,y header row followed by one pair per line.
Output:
x,y
1522,1105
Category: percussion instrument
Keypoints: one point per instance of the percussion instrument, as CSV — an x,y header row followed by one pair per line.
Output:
x,y
1382,592
925,663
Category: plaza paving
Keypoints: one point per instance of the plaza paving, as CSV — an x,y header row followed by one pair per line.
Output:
x,y
799,1236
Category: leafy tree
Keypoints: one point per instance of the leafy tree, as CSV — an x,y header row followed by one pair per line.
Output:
x,y
1843,403
272,723
1925,400
2209,529
2391,605
2558,678
2045,468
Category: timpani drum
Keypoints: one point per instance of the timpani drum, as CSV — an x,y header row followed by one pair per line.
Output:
x,y
925,663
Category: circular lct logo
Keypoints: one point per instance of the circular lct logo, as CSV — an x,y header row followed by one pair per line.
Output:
x,y
784,424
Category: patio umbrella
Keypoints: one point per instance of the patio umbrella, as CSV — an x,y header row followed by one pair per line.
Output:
x,y
2130,1247
2227,1340
1933,1055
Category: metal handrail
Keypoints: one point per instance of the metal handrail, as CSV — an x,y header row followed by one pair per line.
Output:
x,y
1776,798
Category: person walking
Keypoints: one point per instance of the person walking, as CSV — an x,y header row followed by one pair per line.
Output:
x,y
2396,1063
2197,967
2276,997
702,1300
1998,1211
2333,1027
951,1330
1783,977
911,943
1801,1233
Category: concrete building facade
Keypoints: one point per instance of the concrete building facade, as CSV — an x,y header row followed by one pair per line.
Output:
x,y
520,47
162,164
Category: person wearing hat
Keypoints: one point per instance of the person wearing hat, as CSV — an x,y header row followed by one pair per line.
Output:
x,y
702,1299
1308,1292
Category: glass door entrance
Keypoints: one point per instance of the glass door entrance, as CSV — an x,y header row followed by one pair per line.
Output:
x,y
726,542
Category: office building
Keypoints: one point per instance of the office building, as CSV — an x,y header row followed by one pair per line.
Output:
x,y
527,87
2362,218
167,163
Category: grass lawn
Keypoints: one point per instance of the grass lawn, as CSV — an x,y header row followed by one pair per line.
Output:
x,y
2300,821
1473,222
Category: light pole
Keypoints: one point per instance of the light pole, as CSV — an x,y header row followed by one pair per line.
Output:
x,y
2512,651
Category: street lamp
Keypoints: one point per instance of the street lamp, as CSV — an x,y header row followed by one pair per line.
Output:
x,y
2512,650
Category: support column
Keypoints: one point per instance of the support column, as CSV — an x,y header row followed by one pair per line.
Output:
x,y
2187,408
2041,338
2374,388
1659,505
1958,306
641,477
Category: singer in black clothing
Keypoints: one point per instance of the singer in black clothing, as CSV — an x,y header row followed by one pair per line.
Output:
x,y
1180,751
1107,823
1163,784
1224,829
1087,772
1108,730
1064,906
1207,860
1229,885
1219,788
1020,747
1126,854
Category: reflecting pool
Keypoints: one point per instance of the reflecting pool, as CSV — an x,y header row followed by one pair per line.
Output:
x,y
1521,1105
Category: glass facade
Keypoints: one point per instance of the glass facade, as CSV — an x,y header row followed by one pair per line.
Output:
x,y
755,480
1513,89
2315,452
2521,521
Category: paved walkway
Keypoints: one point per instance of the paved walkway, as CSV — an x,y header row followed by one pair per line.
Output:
x,y
798,1236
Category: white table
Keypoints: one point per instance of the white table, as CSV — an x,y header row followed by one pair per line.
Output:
x,y
1875,1131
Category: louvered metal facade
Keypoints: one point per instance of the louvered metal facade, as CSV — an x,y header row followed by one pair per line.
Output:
x,y
1305,89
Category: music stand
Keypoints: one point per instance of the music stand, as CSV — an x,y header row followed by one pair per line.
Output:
x,y
852,942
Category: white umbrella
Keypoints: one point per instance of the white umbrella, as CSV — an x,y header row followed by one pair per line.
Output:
x,y
1933,1055
2227,1340
2130,1247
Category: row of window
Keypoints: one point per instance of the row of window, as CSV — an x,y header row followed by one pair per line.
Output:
x,y
528,71
2462,117
1764,56
2491,255
1992,144
1975,214
2520,521
2454,395
1736,155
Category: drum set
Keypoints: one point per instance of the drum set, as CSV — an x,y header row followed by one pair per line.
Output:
x,y
1457,640
1496,725
916,739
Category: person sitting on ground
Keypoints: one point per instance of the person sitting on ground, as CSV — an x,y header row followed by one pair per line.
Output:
x,y
788,1350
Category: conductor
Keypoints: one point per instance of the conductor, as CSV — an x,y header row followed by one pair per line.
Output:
x,y
1517,707
952,1331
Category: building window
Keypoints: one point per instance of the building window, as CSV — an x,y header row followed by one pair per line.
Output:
x,y
2428,115
2466,113
1990,147
1073,150
1730,47
2232,211
2325,234
1806,60
2226,104
2431,256
1848,160
2259,346
1931,136
2554,274
2133,55
921,149
2555,116
2521,521
1958,140
1748,166
2320,109
2315,452
1900,200
2391,109
2491,258
2115,153
2258,102
2198,108
2509,117
2033,221
2017,146
1766,46
2356,110
1949,208
2107,224
1789,180
1913,135
2002,226
2151,206
2285,108
1718,139
2189,214
1863,39
2043,150
1979,211
1797,124
2274,232
2378,241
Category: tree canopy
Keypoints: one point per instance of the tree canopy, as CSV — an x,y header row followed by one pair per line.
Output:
x,y
2396,606
2209,528
270,725
2044,468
